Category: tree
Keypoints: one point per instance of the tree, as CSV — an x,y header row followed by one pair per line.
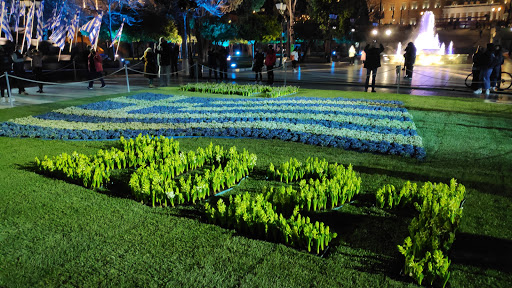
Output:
x,y
260,28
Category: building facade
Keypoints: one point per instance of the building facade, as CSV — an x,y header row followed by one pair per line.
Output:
x,y
408,12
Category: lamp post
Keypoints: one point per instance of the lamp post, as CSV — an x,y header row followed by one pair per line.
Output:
x,y
332,19
281,7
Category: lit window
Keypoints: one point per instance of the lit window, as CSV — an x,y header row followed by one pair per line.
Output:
x,y
438,5
426,4
392,7
404,6
414,5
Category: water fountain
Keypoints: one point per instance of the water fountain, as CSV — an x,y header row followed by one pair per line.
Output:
x,y
429,50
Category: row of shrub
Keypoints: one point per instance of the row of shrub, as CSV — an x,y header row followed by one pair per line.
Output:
x,y
155,158
432,232
239,89
256,216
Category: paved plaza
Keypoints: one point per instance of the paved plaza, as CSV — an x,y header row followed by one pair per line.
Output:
x,y
427,81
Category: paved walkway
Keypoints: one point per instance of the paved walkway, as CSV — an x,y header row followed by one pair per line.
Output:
x,y
427,81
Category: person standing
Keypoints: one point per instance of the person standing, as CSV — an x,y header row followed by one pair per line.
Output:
x,y
257,67
475,69
37,67
150,68
164,61
496,71
352,54
18,67
410,59
212,63
223,63
372,63
270,61
175,53
295,57
488,61
95,65
5,66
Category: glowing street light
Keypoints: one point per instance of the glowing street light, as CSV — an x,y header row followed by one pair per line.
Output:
x,y
388,32
375,32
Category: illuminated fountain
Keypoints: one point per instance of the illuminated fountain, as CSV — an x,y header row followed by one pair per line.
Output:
x,y
429,51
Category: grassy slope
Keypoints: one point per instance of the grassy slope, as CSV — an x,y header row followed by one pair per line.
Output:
x,y
55,234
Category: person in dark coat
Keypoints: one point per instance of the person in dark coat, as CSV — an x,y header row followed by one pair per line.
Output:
x,y
410,59
487,63
175,53
150,67
5,66
475,69
372,63
95,66
18,68
212,63
163,52
259,58
496,71
270,61
222,56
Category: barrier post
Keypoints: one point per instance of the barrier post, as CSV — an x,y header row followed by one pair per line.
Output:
x,y
284,64
126,73
8,87
74,68
197,70
398,78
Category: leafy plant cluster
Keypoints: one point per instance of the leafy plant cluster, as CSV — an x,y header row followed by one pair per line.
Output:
x,y
158,182
257,216
237,89
328,185
157,162
432,232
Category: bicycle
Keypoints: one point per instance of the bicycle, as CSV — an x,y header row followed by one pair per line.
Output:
x,y
504,83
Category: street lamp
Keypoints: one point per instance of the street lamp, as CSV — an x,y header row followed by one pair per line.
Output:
x,y
375,32
281,7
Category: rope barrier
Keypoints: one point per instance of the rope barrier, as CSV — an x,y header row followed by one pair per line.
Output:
x,y
62,84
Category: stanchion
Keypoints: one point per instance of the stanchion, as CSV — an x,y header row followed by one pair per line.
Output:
x,y
197,71
74,68
127,80
398,78
8,87
284,67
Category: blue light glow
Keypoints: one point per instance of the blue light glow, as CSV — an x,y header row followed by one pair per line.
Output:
x,y
333,52
233,65
237,53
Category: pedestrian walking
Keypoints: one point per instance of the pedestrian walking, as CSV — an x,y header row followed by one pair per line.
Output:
x,y
496,71
295,57
5,66
212,63
270,61
95,66
410,59
18,68
352,54
257,66
150,67
487,63
163,52
37,67
372,63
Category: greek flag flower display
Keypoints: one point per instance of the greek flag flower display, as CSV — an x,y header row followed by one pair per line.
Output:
x,y
375,126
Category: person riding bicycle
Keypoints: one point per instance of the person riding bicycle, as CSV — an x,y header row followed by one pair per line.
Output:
x,y
496,71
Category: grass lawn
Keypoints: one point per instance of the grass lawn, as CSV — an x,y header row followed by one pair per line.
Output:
x,y
55,234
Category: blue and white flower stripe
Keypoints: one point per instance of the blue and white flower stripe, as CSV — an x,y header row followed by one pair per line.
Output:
x,y
362,125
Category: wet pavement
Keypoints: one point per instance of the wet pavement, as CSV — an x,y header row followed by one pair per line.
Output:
x,y
448,80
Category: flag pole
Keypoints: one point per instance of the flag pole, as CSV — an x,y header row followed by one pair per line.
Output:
x,y
74,36
31,27
2,21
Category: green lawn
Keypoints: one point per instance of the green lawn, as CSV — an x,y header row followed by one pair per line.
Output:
x,y
53,233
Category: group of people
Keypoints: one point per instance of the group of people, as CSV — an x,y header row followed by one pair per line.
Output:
x,y
269,60
218,63
12,62
487,69
161,61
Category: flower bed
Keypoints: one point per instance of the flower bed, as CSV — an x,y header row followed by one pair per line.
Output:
x,y
237,89
355,124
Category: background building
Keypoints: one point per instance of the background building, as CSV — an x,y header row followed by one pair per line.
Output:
x,y
463,14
